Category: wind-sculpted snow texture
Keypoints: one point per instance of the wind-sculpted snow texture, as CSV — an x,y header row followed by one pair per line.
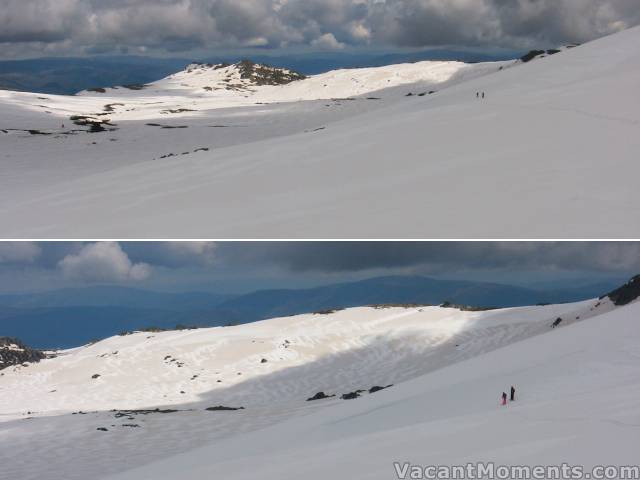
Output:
x,y
212,386
550,152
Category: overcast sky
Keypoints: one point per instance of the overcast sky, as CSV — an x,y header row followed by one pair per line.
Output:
x,y
243,267
182,27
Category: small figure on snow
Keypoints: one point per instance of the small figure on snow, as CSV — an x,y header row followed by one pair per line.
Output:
x,y
482,94
513,393
477,94
504,398
556,323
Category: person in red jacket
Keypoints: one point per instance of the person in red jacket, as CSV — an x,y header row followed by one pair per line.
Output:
x,y
504,398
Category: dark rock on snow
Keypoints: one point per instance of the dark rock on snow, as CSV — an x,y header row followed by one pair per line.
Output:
x,y
266,75
624,295
319,396
531,55
130,413
351,395
377,388
220,408
14,352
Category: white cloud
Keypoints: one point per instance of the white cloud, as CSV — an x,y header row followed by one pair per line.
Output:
x,y
203,252
103,262
327,42
172,254
359,32
19,252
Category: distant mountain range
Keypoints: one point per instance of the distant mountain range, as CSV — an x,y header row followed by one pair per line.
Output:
x,y
110,296
72,75
72,317
66,76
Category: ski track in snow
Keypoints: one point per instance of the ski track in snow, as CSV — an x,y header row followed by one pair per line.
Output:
x,y
335,353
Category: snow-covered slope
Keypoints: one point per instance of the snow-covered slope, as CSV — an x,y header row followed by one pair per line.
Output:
x,y
385,341
230,85
550,152
202,88
270,368
576,404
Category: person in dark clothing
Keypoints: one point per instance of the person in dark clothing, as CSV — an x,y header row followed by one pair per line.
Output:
x,y
482,94
513,393
477,94
504,398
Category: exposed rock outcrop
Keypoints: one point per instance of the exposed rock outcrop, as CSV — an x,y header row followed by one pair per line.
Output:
x,y
252,73
319,396
130,414
377,388
627,293
221,408
260,74
531,55
14,352
351,395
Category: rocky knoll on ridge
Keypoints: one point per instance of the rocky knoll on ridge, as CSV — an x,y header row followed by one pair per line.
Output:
x,y
14,352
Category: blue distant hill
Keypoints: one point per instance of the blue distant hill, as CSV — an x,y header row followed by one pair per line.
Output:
x,y
72,317
109,296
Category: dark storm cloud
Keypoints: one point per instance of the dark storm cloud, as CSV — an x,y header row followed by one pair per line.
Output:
x,y
18,252
359,256
72,26
25,266
511,23
39,20
336,257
